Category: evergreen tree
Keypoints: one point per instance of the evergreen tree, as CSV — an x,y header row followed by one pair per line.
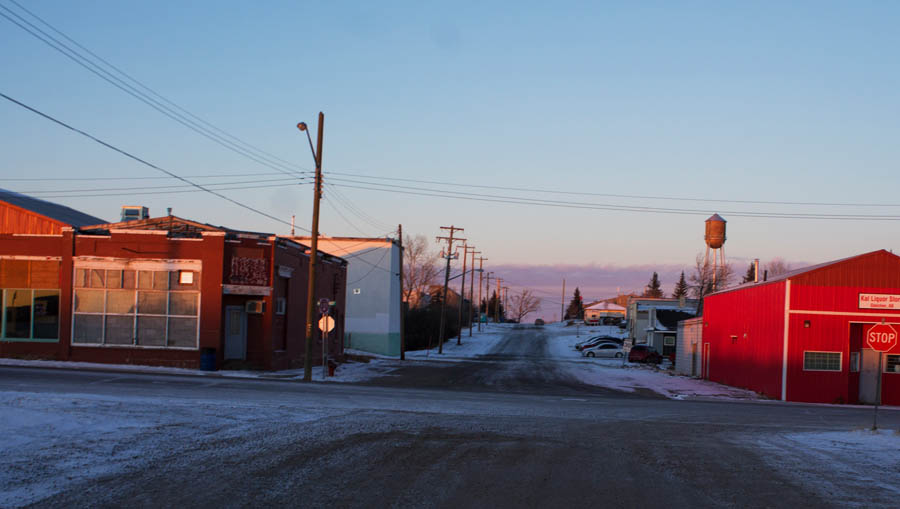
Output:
x,y
576,307
492,307
751,274
653,288
681,288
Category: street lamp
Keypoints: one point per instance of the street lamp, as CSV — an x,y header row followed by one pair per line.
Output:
x,y
314,248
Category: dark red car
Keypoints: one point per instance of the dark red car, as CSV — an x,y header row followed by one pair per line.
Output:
x,y
643,353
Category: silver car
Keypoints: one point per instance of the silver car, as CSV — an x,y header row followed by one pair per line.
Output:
x,y
611,350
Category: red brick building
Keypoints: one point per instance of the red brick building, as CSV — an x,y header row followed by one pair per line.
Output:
x,y
160,291
803,336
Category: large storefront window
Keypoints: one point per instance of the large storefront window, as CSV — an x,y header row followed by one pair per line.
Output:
x,y
30,315
145,308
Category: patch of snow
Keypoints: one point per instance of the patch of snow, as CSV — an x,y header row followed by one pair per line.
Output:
x,y
842,466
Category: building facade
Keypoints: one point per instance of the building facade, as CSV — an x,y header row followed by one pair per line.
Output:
x,y
803,336
373,293
162,291
646,327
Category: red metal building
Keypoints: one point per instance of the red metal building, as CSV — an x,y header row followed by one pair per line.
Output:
x,y
159,291
802,336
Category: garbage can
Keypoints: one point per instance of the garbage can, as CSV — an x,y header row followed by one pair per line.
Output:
x,y
208,359
331,367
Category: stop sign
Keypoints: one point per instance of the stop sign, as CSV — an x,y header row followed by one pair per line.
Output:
x,y
881,337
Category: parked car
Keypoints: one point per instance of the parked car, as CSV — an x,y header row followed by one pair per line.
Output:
x,y
643,353
597,340
613,350
539,322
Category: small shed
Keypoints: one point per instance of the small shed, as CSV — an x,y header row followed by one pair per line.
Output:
x,y
689,343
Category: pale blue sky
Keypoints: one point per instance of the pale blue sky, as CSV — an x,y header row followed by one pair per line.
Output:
x,y
773,101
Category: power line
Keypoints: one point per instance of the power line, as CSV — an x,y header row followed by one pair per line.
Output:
x,y
352,208
216,175
138,159
374,266
612,195
114,189
440,193
105,75
141,193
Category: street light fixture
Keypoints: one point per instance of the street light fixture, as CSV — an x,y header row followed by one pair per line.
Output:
x,y
313,248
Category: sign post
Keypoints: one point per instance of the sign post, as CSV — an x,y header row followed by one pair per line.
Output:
x,y
881,338
326,323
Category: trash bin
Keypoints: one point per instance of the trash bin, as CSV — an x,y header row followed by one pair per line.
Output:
x,y
331,367
208,359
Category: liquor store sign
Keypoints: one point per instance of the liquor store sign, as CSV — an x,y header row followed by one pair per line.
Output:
x,y
879,301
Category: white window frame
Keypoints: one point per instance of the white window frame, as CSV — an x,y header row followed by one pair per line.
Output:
x,y
840,361
884,368
138,266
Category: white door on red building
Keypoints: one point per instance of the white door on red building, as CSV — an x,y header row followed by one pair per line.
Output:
x,y
235,333
869,371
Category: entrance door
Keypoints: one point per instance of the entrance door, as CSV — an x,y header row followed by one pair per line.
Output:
x,y
235,333
693,359
869,371
705,361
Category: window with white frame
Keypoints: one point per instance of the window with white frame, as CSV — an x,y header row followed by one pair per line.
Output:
x,y
854,362
892,363
143,308
821,361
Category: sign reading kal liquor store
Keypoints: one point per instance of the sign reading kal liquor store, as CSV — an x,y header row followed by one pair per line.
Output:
x,y
879,301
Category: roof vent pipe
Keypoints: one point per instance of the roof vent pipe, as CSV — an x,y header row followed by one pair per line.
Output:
x,y
756,270
765,275
169,211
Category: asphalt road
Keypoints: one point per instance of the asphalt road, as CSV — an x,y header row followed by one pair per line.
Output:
x,y
507,430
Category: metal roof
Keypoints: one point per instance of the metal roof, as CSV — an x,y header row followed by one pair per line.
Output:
x,y
54,211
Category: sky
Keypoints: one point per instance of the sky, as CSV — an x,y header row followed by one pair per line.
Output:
x,y
579,109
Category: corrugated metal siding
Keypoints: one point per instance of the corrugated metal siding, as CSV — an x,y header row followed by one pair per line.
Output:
x,y
689,347
878,269
825,334
755,317
17,220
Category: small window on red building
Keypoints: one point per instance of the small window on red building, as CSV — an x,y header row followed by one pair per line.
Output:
x,y
821,361
892,364
854,362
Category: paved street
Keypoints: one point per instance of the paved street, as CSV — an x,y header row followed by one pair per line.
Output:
x,y
504,430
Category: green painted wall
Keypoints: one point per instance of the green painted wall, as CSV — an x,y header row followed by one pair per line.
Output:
x,y
380,343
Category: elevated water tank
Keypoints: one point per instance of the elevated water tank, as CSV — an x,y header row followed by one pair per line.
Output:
x,y
715,231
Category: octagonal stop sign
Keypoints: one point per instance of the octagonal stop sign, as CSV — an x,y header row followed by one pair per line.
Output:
x,y
882,337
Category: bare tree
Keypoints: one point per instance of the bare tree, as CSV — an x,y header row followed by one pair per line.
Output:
x,y
420,268
776,267
523,303
704,277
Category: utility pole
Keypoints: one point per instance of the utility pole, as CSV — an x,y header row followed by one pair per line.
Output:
x,y
505,299
313,248
497,306
562,304
402,306
452,229
462,292
472,289
487,302
481,260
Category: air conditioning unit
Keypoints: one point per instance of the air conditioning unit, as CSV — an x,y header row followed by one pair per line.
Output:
x,y
255,307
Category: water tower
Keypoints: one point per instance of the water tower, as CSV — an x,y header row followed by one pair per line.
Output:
x,y
715,241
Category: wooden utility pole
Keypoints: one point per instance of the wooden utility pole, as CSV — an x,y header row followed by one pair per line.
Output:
x,y
497,306
313,248
472,290
481,260
562,304
462,292
452,229
487,301
506,299
402,306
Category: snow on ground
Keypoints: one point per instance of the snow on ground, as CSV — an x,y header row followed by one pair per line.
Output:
x,y
51,442
839,465
479,344
626,376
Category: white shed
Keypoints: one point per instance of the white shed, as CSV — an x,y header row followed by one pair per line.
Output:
x,y
688,349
